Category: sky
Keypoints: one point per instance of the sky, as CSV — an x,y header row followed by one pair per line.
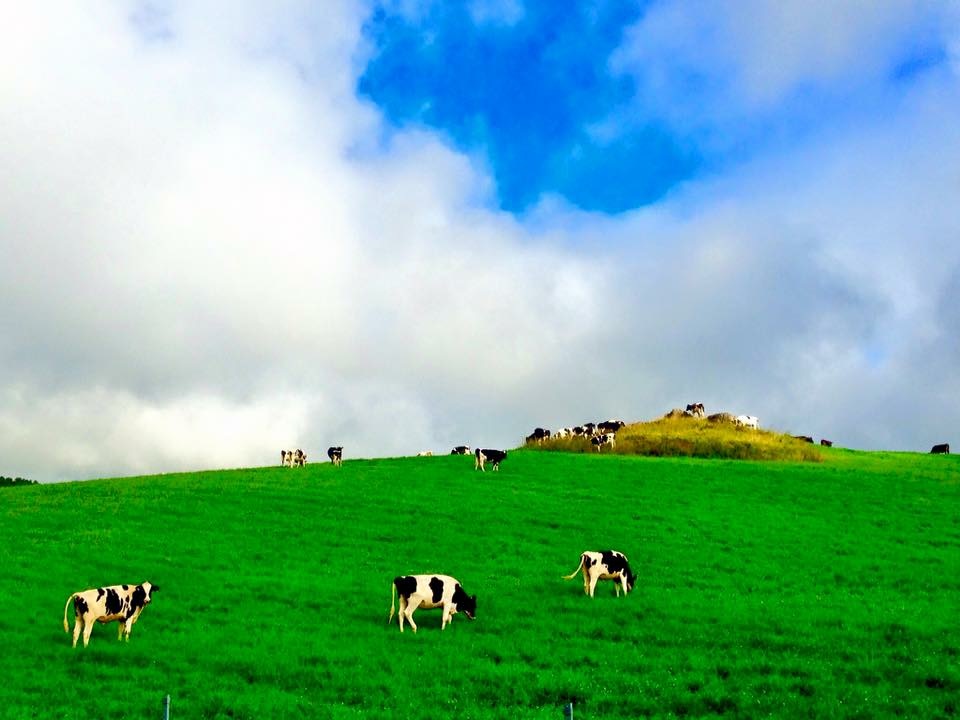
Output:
x,y
403,225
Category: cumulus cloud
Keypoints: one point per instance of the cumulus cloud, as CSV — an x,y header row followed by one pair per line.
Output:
x,y
212,250
728,61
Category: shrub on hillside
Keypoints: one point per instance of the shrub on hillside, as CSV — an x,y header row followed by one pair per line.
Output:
x,y
13,482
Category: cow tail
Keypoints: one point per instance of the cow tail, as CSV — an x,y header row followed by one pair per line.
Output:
x,y
393,599
570,576
66,625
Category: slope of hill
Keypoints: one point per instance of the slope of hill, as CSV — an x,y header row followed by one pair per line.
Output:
x,y
791,589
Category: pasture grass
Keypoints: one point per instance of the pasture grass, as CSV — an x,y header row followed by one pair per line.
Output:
x,y
693,437
793,590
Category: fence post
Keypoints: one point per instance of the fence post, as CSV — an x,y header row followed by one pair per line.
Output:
x,y
568,711
166,708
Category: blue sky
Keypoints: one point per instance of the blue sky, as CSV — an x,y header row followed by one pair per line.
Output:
x,y
524,95
412,224
547,94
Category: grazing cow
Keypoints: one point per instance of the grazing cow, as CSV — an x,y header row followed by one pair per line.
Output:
x,y
579,430
600,440
425,453
461,450
538,435
748,421
494,456
605,565
695,410
293,458
430,591
943,449
590,429
826,443
336,455
562,433
610,426
122,603
805,438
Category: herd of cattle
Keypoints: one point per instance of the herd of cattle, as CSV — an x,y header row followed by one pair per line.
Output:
x,y
125,603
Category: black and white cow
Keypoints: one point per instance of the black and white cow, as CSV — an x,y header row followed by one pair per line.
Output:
x,y
695,410
122,603
538,435
461,450
826,443
494,456
610,426
599,441
604,565
336,455
293,458
430,591
942,449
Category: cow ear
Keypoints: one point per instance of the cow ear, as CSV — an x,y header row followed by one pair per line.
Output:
x,y
154,588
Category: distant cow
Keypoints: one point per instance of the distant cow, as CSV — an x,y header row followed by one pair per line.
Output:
x,y
590,429
805,438
748,421
494,456
943,449
538,435
336,455
695,410
430,591
826,443
122,603
461,450
604,565
562,432
610,426
599,441
425,453
293,458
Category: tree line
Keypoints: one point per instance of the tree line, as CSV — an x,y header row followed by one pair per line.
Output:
x,y
12,482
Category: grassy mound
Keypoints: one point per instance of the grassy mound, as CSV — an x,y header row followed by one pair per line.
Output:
x,y
693,437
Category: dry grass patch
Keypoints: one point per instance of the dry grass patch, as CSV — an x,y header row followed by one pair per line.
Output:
x,y
694,437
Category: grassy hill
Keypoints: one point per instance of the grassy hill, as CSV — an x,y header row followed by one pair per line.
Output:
x,y
783,589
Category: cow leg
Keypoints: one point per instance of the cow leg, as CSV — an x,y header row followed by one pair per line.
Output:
x,y
593,584
447,617
126,627
409,613
120,630
77,628
403,612
87,630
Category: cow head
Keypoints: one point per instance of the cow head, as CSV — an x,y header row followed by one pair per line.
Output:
x,y
466,604
149,588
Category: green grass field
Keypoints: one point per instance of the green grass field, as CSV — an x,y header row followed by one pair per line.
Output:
x,y
793,590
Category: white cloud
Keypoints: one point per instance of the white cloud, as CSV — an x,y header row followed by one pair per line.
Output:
x,y
210,253
721,61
